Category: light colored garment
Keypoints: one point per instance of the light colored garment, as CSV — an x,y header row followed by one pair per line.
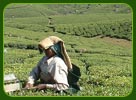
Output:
x,y
52,72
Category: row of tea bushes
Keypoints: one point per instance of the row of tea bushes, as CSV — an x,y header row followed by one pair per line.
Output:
x,y
119,29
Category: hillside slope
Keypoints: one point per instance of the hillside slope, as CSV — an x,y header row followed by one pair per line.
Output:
x,y
35,10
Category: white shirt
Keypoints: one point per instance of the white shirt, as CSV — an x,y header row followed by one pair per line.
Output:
x,y
52,72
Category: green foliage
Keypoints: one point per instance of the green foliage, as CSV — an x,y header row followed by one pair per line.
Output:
x,y
105,63
35,10
118,29
32,27
106,68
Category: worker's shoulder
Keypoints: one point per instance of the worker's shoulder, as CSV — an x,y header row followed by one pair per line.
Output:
x,y
56,58
59,62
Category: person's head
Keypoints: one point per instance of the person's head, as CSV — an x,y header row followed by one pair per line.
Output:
x,y
49,52
52,50
53,45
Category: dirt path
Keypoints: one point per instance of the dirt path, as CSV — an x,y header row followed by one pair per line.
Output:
x,y
120,42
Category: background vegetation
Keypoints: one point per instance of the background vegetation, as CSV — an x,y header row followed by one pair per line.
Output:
x,y
98,39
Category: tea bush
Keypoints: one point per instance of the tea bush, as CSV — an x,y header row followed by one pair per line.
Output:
x,y
105,63
106,68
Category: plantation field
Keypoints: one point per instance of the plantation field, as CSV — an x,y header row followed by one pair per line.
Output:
x,y
99,42
106,66
90,25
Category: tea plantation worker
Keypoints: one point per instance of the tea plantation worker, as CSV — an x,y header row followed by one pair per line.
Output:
x,y
52,69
